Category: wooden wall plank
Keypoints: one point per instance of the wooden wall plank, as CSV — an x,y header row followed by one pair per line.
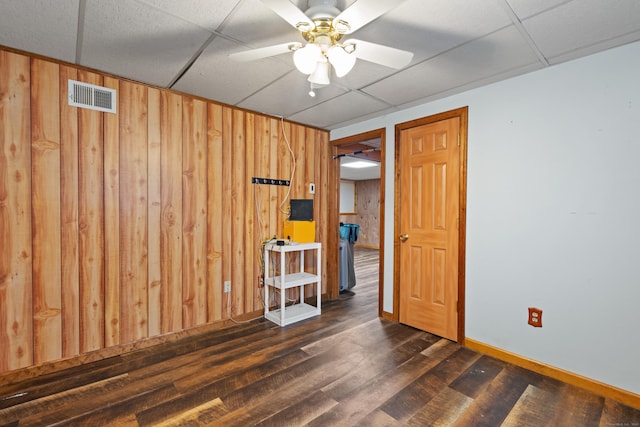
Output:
x,y
214,212
16,321
194,188
133,212
319,211
70,274
300,151
90,216
261,194
154,211
45,211
330,195
275,217
227,197
171,220
238,212
250,242
112,220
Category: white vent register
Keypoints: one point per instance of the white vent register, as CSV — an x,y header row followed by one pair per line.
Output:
x,y
85,95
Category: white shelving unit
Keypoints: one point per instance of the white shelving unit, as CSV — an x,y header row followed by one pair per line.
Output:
x,y
287,315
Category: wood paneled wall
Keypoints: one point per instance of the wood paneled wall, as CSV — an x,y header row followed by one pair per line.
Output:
x,y
367,214
115,228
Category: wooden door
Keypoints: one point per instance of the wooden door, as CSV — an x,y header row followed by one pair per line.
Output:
x,y
429,206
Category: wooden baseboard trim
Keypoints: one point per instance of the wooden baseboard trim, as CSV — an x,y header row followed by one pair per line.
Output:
x,y
606,390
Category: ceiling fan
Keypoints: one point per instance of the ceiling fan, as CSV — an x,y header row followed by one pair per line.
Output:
x,y
323,26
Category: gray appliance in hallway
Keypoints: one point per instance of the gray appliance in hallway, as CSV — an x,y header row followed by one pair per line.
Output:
x,y
348,236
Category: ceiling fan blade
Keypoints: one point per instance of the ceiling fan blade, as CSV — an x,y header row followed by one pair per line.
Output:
x,y
383,55
289,12
263,52
362,12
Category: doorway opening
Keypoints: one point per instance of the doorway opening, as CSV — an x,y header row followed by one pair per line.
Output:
x,y
361,192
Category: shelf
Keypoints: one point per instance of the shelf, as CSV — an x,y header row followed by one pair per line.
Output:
x,y
293,313
292,247
286,315
292,280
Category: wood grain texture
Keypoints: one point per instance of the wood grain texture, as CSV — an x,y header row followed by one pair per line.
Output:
x,y
45,213
238,205
136,218
16,302
133,213
227,197
69,224
171,219
91,223
154,211
214,213
112,222
194,222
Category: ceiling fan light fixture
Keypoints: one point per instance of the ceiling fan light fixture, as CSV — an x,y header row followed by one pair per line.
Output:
x,y
320,76
306,58
341,60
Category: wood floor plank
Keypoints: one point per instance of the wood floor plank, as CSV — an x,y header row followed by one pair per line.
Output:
x,y
300,412
536,407
364,400
404,404
578,407
346,367
617,414
57,400
443,410
494,404
215,389
377,362
379,418
204,414
478,376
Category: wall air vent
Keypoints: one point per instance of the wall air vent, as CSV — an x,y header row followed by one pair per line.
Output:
x,y
85,95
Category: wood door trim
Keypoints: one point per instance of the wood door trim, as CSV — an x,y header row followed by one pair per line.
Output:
x,y
365,136
462,114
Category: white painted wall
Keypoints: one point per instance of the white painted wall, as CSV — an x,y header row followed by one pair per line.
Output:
x,y
553,215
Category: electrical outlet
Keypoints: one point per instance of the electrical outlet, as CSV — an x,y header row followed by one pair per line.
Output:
x,y
535,317
227,286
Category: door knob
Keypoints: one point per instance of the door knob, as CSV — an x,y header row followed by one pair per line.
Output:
x,y
404,237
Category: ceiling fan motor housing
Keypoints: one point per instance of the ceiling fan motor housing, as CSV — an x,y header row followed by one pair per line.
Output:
x,y
322,9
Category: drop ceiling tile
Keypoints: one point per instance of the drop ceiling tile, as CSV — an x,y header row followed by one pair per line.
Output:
x,y
483,59
45,27
134,40
214,76
363,74
205,13
256,25
428,28
580,24
526,8
288,95
339,109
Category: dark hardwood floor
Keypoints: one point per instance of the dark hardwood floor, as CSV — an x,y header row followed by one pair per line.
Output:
x,y
344,368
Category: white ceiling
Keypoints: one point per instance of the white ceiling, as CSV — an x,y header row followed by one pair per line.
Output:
x,y
184,45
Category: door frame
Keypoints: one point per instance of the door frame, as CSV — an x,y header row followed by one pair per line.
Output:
x,y
362,137
462,114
